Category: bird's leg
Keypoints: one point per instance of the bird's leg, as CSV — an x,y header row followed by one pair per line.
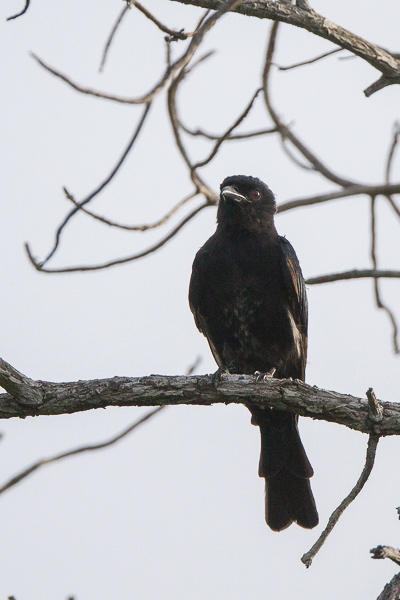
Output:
x,y
222,372
265,376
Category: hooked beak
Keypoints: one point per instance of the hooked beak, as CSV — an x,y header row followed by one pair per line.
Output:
x,y
229,193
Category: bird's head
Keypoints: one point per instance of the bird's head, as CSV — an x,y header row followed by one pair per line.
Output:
x,y
245,202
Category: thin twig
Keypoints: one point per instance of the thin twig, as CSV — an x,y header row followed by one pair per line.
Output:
x,y
23,11
309,62
378,299
353,274
373,440
393,205
89,448
111,36
39,266
175,35
158,223
389,162
393,145
179,64
200,184
100,187
228,132
354,190
293,158
284,130
236,136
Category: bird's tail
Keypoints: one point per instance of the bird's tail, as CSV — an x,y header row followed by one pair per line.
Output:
x,y
287,471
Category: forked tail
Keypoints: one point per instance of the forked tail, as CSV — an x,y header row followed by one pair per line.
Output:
x,y
286,469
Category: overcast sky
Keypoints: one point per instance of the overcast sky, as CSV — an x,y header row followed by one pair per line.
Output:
x,y
176,511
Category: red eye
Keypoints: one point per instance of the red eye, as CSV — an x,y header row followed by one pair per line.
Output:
x,y
255,194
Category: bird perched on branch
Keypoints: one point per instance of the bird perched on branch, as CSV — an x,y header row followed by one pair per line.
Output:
x,y
248,298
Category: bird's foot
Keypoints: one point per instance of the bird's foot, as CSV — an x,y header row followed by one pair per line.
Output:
x,y
265,376
221,373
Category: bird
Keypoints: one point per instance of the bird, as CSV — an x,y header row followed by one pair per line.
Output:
x,y
248,297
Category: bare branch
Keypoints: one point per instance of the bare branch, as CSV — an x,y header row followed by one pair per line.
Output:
x,y
378,85
120,261
170,71
284,129
392,149
393,205
228,132
381,59
293,158
236,136
158,223
309,62
389,162
89,448
159,390
23,11
353,274
111,36
353,190
378,299
391,591
386,552
98,189
24,389
80,450
201,186
373,440
174,35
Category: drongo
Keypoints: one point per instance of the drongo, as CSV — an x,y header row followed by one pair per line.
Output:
x,y
248,298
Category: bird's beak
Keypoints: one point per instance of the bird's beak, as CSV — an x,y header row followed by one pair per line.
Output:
x,y
230,193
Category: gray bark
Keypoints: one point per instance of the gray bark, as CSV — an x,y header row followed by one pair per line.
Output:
x,y
391,591
27,397
385,62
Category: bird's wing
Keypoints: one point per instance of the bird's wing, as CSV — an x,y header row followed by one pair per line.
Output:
x,y
297,296
198,302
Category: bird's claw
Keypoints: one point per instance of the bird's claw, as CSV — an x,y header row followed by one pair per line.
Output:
x,y
219,374
265,376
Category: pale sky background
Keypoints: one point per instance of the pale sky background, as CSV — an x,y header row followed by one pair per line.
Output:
x,y
176,511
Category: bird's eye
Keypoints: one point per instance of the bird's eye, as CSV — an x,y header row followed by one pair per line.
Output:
x,y
255,194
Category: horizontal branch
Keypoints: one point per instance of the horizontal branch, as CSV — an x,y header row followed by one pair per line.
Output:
x,y
310,20
386,552
159,390
354,190
354,274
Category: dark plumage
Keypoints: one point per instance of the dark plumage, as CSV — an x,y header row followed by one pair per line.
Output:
x,y
248,298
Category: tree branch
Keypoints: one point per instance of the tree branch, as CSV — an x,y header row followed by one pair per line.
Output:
x,y
391,591
118,261
98,189
145,227
386,552
179,64
354,190
310,61
353,274
82,449
112,35
23,11
310,20
373,440
159,390
284,130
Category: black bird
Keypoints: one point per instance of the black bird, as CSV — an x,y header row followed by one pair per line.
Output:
x,y
248,298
